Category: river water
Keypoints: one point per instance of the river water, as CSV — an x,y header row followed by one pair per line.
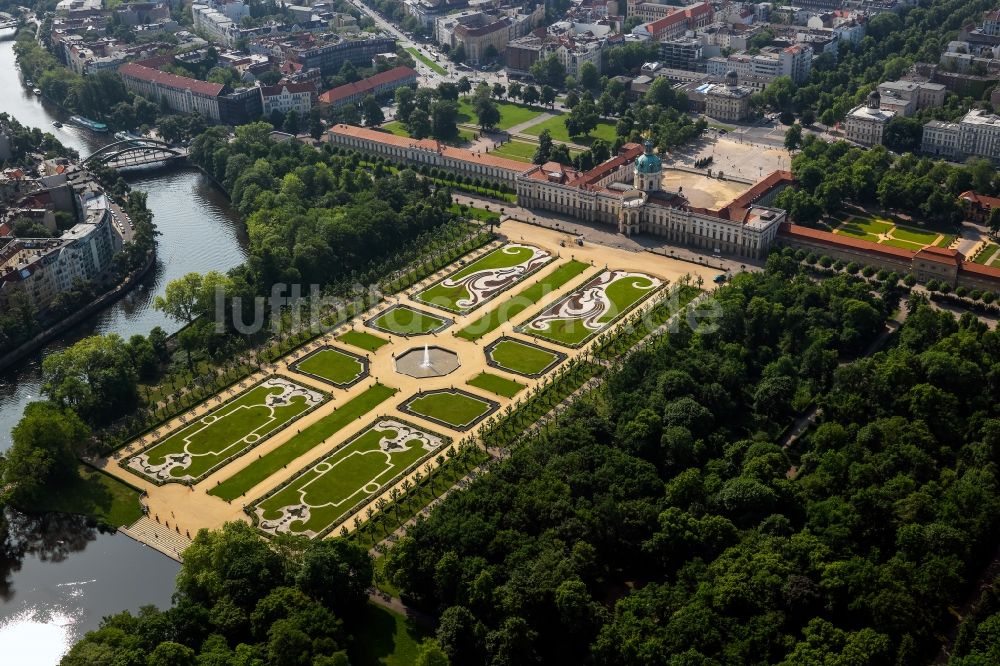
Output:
x,y
58,577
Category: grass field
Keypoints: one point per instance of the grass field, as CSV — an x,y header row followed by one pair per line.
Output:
x,y
906,245
516,150
327,489
912,235
475,213
385,638
333,365
946,240
427,61
193,450
302,443
496,384
986,255
510,114
523,300
93,493
362,340
476,283
556,126
865,228
453,407
404,320
606,298
397,128
523,358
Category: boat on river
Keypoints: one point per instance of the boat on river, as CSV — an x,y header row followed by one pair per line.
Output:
x,y
87,123
56,123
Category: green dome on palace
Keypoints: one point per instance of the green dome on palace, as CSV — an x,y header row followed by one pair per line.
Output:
x,y
648,162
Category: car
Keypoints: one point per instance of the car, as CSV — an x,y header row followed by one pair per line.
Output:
x,y
719,279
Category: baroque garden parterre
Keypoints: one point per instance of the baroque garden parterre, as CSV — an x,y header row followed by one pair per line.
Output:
x,y
317,463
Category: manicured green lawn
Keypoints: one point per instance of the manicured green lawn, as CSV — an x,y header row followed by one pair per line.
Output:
x,y
353,472
524,359
456,294
912,235
946,240
622,293
522,301
867,228
239,423
906,245
397,128
496,384
404,320
556,125
92,493
986,255
332,365
301,443
362,340
475,213
384,638
516,150
427,61
457,409
510,114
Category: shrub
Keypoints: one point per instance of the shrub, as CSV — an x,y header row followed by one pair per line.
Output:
x,y
800,255
944,287
910,280
839,264
975,294
988,297
825,261
811,258
853,267
868,271
932,285
961,291
882,274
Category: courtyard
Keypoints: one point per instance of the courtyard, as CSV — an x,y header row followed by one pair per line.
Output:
x,y
311,442
887,231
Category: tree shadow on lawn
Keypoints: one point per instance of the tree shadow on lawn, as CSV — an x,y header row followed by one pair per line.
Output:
x,y
385,638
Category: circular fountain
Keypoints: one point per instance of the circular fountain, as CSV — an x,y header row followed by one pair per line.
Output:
x,y
429,361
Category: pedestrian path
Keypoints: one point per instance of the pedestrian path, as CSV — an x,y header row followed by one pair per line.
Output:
x,y
165,539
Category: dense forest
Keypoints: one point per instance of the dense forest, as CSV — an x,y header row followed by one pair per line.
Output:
x,y
661,521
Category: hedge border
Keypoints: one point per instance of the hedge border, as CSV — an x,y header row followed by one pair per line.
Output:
x,y
448,321
491,362
365,366
492,406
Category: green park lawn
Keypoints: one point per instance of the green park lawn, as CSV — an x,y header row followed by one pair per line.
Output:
x,y
622,293
301,443
946,240
456,408
516,150
333,365
475,213
522,301
362,340
404,320
556,126
496,384
396,127
353,472
918,236
385,638
427,61
866,228
447,298
93,493
212,438
986,255
522,358
510,114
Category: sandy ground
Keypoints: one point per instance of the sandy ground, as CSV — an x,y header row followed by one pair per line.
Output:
x,y
701,190
732,157
192,508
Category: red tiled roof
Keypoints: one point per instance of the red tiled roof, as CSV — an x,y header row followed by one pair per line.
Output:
x,y
941,255
980,199
828,238
363,86
979,270
736,208
629,152
432,145
171,80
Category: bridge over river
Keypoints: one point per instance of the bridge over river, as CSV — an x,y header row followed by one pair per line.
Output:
x,y
132,152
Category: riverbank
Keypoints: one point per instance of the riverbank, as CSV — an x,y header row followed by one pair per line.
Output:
x,y
75,319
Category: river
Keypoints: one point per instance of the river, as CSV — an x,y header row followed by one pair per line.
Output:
x,y
57,576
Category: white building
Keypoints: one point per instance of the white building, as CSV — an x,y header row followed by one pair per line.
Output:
x,y
908,97
285,97
728,102
793,61
865,123
219,22
975,135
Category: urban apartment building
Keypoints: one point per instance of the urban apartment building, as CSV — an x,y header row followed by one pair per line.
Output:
x,y
977,134
219,21
698,14
182,94
676,22
729,102
682,53
285,97
330,56
793,61
379,85
865,123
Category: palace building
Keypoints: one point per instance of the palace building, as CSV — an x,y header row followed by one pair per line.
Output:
x,y
625,192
